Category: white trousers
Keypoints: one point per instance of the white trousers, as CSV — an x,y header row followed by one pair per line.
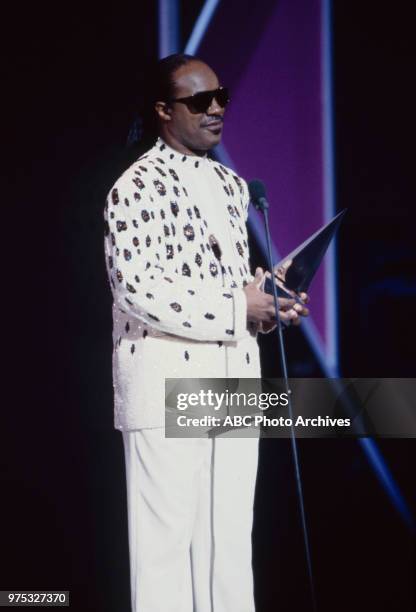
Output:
x,y
190,511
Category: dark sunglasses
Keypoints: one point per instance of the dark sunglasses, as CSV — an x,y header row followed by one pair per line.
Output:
x,y
201,101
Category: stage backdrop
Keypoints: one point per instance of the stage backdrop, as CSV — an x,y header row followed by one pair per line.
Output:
x,y
275,57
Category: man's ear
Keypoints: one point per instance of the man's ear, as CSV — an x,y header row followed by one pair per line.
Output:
x,y
163,110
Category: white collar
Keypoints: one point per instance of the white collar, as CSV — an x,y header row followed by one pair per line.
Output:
x,y
173,154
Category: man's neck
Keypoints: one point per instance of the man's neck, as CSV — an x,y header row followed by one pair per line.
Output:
x,y
179,146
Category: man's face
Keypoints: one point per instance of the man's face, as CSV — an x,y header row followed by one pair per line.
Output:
x,y
195,131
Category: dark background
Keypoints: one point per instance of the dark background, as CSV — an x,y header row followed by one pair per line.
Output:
x,y
69,90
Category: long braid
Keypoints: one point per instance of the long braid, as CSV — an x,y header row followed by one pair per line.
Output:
x,y
159,86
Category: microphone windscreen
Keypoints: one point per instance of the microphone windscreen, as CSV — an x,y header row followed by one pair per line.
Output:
x,y
257,190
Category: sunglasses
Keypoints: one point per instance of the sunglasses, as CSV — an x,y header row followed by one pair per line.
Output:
x,y
201,101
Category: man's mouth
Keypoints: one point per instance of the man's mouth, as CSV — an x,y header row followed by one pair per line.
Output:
x,y
214,125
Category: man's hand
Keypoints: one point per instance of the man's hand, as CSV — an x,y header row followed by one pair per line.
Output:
x,y
260,305
280,272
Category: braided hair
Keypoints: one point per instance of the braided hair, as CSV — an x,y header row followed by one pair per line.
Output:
x,y
160,86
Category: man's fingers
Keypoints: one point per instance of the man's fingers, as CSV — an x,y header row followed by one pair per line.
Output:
x,y
302,310
289,315
280,271
258,274
304,297
286,303
285,315
258,277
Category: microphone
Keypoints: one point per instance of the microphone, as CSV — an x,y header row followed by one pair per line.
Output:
x,y
257,192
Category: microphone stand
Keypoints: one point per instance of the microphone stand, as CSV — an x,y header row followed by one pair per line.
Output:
x,y
263,205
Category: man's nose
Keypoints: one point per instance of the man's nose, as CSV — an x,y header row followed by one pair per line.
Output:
x,y
215,108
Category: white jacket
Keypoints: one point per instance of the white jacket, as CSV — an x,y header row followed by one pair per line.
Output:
x,y
177,259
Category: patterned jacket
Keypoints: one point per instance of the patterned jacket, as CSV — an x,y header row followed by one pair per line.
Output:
x,y
177,260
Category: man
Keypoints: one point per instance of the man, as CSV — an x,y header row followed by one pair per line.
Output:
x,y
185,306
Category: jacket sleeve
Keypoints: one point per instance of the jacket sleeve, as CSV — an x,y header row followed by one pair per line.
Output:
x,y
146,281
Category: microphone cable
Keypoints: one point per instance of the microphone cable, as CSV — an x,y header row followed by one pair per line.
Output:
x,y
258,197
